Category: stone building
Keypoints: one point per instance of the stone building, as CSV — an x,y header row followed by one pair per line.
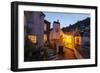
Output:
x,y
34,26
56,35
46,30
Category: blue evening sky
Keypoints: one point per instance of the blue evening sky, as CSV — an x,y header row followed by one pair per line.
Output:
x,y
65,19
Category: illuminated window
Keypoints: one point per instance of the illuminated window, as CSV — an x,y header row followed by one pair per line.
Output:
x,y
45,37
32,38
77,40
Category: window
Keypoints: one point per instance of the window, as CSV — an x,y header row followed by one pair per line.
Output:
x,y
32,38
45,37
45,27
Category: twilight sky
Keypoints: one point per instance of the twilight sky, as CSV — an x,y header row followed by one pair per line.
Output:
x,y
65,19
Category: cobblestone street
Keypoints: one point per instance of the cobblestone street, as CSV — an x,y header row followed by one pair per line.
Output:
x,y
67,55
